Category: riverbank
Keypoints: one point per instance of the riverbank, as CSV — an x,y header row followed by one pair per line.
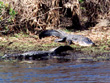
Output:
x,y
22,42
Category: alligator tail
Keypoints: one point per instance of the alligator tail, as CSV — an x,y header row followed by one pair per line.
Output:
x,y
47,33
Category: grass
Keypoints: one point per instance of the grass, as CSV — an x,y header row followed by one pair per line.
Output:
x,y
23,42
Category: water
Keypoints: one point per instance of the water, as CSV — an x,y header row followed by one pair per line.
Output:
x,y
51,71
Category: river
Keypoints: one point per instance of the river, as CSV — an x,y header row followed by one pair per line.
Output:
x,y
55,71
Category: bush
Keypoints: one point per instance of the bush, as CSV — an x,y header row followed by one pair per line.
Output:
x,y
7,16
27,15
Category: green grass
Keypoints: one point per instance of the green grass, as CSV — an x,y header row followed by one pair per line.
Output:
x,y
21,34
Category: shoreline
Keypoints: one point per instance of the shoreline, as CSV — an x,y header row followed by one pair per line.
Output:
x,y
22,43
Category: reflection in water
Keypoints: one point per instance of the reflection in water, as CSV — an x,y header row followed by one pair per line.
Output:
x,y
52,71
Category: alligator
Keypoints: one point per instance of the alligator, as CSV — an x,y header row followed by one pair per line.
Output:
x,y
64,37
60,51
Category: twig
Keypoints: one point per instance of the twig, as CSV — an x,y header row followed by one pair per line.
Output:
x,y
51,9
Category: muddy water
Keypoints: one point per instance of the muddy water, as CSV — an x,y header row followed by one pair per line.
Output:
x,y
52,71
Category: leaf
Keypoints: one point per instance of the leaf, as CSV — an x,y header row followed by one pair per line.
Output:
x,y
81,1
1,5
12,12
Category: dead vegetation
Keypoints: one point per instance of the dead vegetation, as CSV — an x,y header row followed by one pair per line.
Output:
x,y
31,15
96,11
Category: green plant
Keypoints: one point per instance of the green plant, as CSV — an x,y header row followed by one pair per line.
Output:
x,y
1,7
81,1
7,15
12,13
4,7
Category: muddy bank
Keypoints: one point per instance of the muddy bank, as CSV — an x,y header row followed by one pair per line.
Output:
x,y
77,54
20,43
65,56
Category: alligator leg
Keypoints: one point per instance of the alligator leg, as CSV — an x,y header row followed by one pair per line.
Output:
x,y
69,42
61,40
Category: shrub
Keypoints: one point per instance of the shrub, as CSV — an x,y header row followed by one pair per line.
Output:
x,y
7,16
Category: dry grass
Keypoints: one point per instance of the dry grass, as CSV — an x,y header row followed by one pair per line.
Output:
x,y
25,43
